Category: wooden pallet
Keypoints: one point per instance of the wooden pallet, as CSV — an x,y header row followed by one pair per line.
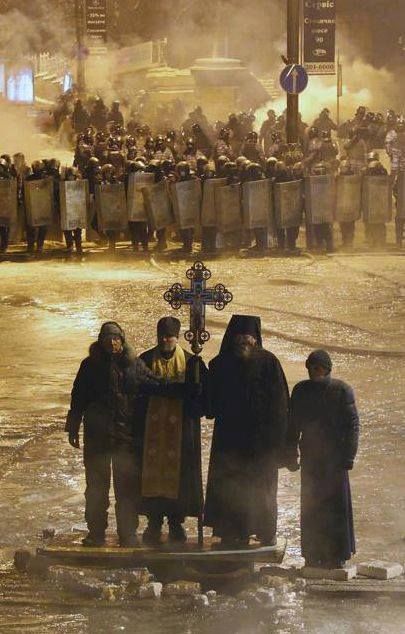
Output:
x,y
67,549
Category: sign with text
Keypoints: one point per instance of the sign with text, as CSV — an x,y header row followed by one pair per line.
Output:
x,y
319,36
96,21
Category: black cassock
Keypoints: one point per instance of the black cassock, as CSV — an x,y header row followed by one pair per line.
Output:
x,y
326,425
249,401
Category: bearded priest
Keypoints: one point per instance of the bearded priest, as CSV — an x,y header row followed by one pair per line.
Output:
x,y
169,437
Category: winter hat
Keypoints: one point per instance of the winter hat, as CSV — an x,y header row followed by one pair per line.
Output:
x,y
319,357
169,327
111,329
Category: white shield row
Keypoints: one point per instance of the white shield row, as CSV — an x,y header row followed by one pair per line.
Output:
x,y
259,204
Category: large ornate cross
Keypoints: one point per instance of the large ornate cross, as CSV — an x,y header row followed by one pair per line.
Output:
x,y
198,297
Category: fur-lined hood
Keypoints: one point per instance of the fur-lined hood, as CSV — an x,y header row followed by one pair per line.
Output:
x,y
128,356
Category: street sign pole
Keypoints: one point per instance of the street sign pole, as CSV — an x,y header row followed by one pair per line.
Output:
x,y
339,86
293,54
81,73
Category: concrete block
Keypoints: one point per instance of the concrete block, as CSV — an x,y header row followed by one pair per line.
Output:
x,y
80,528
201,601
182,589
380,570
278,571
272,581
333,574
151,591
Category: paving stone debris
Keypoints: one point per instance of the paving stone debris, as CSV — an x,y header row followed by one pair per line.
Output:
x,y
182,589
201,601
273,582
380,570
151,590
336,574
275,570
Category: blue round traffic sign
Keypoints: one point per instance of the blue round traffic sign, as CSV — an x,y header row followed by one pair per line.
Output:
x,y
294,79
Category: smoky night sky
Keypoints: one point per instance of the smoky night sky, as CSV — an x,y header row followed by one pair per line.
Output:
x,y
369,28
374,27
255,29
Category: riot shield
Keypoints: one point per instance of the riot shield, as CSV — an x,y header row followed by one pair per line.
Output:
x,y
111,207
135,201
74,201
228,204
208,210
377,199
288,204
257,204
320,199
8,203
348,198
39,202
401,196
186,197
158,205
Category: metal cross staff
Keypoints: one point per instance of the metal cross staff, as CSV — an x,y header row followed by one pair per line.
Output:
x,y
198,297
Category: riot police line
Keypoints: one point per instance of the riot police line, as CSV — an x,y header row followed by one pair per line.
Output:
x,y
227,209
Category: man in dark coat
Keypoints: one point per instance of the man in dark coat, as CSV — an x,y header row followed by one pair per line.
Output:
x,y
115,115
249,401
99,115
169,436
325,425
80,117
104,395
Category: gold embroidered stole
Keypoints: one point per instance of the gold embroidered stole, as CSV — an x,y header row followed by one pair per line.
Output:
x,y
163,432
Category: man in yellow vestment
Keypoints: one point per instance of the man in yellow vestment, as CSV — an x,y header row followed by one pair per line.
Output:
x,y
169,437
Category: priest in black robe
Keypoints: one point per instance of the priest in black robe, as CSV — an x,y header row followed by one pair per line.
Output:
x,y
169,437
249,400
325,427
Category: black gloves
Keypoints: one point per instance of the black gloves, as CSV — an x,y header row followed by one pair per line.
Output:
x,y
74,440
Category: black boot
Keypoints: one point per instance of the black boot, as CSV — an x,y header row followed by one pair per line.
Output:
x,y
177,534
152,535
93,541
130,541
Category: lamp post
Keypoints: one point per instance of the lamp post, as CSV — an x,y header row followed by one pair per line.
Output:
x,y
293,57
80,50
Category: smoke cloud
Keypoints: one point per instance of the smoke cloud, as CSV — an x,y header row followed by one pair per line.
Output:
x,y
363,85
45,28
20,134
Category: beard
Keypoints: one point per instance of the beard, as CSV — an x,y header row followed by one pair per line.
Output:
x,y
167,347
167,350
243,351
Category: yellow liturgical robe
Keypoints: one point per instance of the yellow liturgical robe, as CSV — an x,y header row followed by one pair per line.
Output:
x,y
163,432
